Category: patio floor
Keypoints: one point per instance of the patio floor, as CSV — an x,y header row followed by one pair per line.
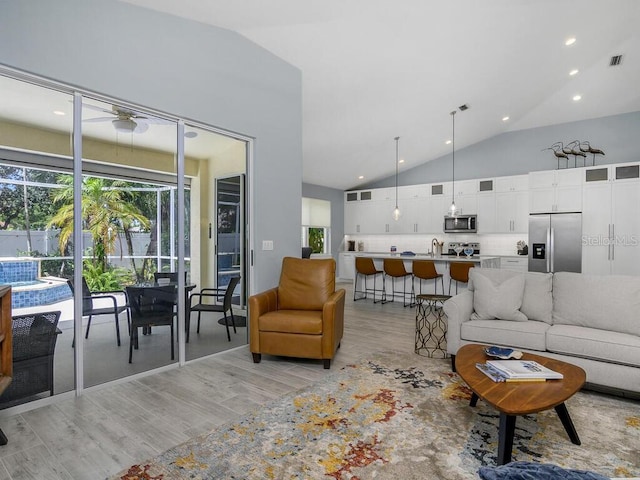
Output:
x,y
104,361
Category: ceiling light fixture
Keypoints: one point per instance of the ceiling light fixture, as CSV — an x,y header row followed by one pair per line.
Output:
x,y
570,41
453,211
577,98
59,112
396,211
574,72
448,142
504,119
124,125
361,177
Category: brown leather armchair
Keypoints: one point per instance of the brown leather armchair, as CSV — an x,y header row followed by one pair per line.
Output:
x,y
302,317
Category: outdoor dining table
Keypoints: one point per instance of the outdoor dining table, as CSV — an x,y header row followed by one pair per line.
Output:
x,y
187,290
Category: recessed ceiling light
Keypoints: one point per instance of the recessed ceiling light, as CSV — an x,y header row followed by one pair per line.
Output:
x,y
504,119
59,112
360,177
577,98
448,142
570,41
401,160
574,72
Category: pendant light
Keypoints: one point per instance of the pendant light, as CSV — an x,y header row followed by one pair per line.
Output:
x,y
453,211
396,211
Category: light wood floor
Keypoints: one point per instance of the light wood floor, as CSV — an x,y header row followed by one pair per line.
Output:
x,y
110,428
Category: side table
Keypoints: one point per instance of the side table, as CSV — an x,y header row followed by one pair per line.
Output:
x,y
431,326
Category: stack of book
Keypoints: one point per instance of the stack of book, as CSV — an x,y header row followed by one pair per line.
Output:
x,y
517,371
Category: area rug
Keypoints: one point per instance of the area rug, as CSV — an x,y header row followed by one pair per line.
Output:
x,y
397,416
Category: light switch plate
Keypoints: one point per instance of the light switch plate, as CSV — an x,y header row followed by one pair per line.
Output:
x,y
267,245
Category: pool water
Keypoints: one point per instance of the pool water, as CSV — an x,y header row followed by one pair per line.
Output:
x,y
27,290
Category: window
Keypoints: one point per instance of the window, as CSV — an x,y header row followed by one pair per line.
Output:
x,y
316,225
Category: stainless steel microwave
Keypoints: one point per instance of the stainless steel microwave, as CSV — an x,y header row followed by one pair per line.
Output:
x,y
460,224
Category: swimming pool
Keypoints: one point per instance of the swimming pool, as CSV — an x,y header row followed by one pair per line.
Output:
x,y
27,288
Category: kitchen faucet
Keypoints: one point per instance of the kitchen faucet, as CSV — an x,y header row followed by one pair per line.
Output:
x,y
434,245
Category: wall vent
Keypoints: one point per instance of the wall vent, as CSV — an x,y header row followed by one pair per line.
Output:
x,y
463,107
615,60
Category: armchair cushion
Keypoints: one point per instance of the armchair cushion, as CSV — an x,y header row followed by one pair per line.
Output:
x,y
306,284
292,321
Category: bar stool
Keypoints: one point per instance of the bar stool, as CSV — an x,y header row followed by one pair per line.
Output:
x,y
426,270
394,268
459,271
366,268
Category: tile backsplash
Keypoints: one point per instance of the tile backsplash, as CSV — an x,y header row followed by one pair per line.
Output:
x,y
490,244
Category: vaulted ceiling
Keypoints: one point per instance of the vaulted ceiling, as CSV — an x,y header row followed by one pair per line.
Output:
x,y
376,69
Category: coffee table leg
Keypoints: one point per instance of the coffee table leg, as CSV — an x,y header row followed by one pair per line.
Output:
x,y
505,437
563,413
474,400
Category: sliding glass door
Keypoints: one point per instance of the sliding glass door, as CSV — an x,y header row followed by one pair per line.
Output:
x,y
130,197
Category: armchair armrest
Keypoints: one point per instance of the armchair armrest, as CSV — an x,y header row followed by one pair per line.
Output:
x,y
332,323
105,297
458,310
259,304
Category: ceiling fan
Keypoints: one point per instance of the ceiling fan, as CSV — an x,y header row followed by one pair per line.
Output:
x,y
125,120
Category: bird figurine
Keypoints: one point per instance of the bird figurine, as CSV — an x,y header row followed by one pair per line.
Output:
x,y
576,152
557,151
589,149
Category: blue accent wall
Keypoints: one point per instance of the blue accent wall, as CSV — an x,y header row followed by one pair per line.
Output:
x,y
185,68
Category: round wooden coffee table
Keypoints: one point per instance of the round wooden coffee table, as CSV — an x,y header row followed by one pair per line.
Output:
x,y
513,398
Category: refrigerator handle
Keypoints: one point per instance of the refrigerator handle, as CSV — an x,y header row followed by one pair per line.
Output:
x,y
552,249
609,244
549,250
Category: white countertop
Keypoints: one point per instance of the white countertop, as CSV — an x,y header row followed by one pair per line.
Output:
x,y
410,258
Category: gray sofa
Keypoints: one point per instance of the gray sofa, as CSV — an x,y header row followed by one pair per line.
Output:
x,y
588,320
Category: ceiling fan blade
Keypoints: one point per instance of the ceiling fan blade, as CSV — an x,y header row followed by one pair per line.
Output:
x,y
98,119
96,108
141,127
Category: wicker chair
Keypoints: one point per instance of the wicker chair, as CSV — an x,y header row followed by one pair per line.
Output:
x,y
34,343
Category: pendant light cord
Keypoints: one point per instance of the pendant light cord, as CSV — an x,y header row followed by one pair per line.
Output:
x,y
397,140
453,157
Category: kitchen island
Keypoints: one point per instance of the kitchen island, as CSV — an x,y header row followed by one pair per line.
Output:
x,y
441,262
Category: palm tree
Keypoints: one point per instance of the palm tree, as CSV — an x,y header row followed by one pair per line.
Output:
x,y
107,209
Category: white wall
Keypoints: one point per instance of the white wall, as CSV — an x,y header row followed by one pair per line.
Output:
x,y
185,68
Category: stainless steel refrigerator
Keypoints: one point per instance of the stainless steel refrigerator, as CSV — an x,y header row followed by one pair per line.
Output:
x,y
555,242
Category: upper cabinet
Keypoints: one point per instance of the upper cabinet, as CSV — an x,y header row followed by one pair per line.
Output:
x,y
610,220
512,204
556,191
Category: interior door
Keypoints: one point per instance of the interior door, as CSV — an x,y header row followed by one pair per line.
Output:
x,y
230,234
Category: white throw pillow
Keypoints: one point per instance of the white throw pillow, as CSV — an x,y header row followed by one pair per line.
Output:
x,y
537,301
497,298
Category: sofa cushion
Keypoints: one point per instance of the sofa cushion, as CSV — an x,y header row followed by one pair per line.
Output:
x,y
499,298
529,335
537,300
605,302
593,343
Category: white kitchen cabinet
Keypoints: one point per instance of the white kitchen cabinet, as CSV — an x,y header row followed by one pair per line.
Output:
x,y
466,196
512,204
486,202
360,212
437,206
610,220
347,265
556,191
519,263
